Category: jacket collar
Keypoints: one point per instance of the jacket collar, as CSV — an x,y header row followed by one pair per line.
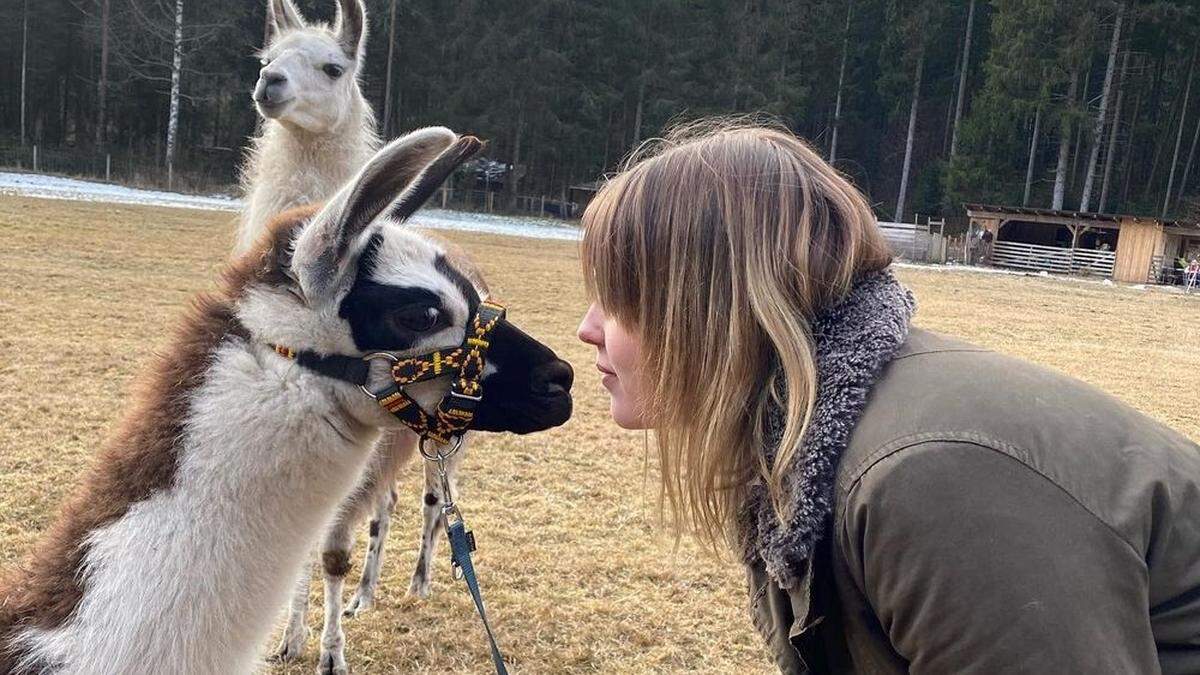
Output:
x,y
854,340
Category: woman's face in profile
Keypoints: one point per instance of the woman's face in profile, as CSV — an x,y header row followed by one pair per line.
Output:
x,y
618,358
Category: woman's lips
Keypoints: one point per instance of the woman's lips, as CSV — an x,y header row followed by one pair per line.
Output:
x,y
603,370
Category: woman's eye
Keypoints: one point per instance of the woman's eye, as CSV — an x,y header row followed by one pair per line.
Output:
x,y
333,70
416,319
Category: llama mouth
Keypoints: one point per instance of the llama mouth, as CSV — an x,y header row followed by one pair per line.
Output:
x,y
271,108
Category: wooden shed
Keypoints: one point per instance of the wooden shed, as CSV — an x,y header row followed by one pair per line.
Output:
x,y
1134,249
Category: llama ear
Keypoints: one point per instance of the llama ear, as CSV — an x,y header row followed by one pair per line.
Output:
x,y
326,249
351,27
424,185
282,16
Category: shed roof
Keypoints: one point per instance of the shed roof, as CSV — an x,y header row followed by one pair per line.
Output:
x,y
1060,215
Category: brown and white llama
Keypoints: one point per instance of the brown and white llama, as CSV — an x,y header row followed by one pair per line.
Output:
x,y
186,536
317,131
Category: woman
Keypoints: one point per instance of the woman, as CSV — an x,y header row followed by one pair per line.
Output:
x,y
901,500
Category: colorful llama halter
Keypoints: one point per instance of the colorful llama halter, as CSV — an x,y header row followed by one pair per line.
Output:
x,y
466,362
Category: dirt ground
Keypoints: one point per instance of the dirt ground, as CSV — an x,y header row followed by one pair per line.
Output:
x,y
577,574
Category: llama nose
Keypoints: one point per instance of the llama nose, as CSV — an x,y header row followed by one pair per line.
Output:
x,y
268,88
553,378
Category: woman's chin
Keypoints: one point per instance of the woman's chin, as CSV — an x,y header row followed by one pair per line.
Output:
x,y
626,419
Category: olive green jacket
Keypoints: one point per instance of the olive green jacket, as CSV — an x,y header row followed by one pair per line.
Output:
x,y
992,516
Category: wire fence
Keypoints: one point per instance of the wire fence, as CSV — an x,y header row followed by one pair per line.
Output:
x,y
215,170
495,201
199,170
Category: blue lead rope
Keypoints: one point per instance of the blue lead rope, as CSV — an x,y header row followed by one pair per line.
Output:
x,y
462,543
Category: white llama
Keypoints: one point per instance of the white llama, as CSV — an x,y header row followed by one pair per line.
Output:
x,y
188,532
317,128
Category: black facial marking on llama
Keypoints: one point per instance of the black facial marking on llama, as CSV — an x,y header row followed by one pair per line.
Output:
x,y
375,310
461,282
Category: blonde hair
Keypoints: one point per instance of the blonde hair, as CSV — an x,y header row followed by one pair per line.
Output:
x,y
716,247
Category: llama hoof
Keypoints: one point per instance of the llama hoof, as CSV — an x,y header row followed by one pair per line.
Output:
x,y
361,602
420,588
291,647
333,663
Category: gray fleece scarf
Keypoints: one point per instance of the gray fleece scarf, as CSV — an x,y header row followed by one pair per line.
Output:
x,y
854,340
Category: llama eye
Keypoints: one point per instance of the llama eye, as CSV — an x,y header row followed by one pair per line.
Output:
x,y
417,319
333,70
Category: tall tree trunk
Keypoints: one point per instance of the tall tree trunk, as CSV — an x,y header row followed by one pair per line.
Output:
x,y
24,62
1083,107
607,134
387,82
1111,153
1187,94
1064,146
912,130
173,118
1187,168
516,163
951,99
1130,145
102,84
1101,118
962,79
837,106
1033,144
637,114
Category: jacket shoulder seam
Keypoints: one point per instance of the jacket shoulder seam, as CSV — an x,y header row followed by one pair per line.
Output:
x,y
1009,450
949,350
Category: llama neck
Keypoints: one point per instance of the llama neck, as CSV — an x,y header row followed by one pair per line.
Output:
x,y
191,579
288,166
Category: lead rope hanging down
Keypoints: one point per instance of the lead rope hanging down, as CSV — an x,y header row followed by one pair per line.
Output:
x,y
462,542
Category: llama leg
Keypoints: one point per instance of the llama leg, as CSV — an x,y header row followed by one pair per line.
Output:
x,y
291,646
364,596
434,524
335,562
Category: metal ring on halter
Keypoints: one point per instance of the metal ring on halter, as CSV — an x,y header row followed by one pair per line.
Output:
x,y
438,455
371,357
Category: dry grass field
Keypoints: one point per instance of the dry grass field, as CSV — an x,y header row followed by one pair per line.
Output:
x,y
577,575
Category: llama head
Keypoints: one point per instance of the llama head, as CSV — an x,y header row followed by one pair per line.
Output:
x,y
309,75
351,279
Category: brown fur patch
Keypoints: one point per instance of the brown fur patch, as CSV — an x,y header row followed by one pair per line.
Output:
x,y
336,563
140,457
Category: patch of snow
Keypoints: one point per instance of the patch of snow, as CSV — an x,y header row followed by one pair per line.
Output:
x,y
57,187
954,267
515,226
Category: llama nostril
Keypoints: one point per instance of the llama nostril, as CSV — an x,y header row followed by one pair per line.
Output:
x,y
267,90
553,378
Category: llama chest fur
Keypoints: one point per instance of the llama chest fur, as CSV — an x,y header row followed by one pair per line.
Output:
x,y
190,580
288,168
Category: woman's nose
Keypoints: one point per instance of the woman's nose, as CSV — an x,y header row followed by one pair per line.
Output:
x,y
591,328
